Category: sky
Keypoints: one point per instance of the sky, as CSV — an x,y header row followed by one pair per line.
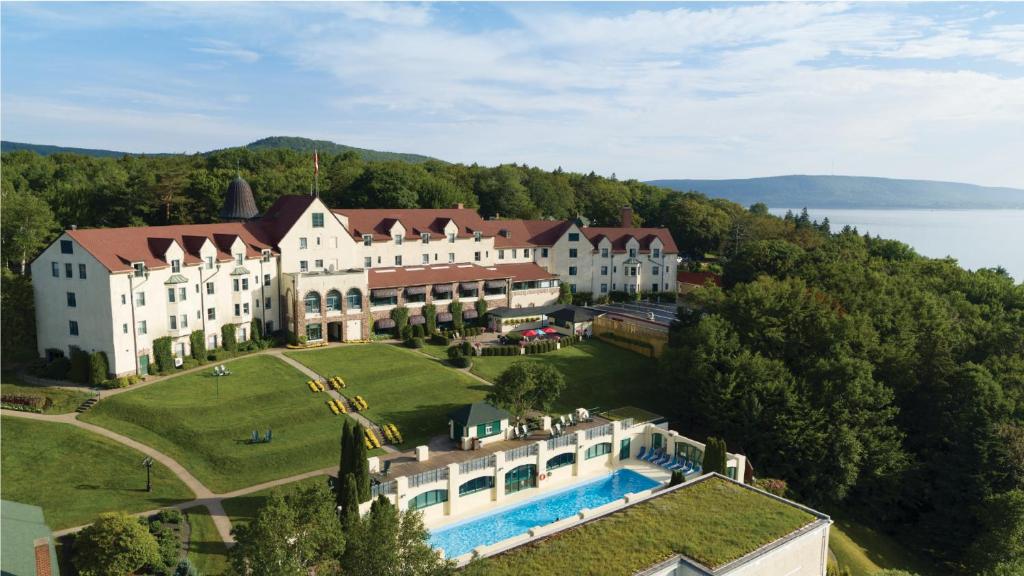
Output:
x,y
646,91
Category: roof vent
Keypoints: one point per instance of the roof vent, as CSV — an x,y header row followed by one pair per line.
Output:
x,y
506,233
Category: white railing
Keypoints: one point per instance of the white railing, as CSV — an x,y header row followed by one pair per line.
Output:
x,y
382,488
476,464
599,431
626,423
521,452
561,441
428,477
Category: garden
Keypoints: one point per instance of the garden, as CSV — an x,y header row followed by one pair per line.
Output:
x,y
207,422
18,395
74,474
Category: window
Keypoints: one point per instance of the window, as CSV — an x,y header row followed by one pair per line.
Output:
x,y
182,294
599,450
268,303
318,219
81,271
574,236
184,321
313,332
124,328
654,287
303,243
140,327
604,270
451,237
604,288
526,252
398,260
368,262
209,287
488,429
425,237
209,262
354,299
654,271
303,266
572,288
238,310
632,252
573,253
451,257
367,239
266,255
124,299
239,258
140,298
173,322
476,256
67,247
572,270
477,236
73,327
72,303
140,269
211,313
55,268
566,459
476,485
312,302
318,264
426,259
170,294
428,498
398,239
501,254
656,252
245,308
544,252
235,285
245,283
334,301
176,266
266,279
67,270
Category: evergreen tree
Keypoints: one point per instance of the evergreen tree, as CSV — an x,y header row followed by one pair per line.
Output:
x,y
350,510
344,461
360,465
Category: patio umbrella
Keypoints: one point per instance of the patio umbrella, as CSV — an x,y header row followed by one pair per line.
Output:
x,y
548,330
529,333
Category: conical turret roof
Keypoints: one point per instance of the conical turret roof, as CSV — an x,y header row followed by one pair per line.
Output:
x,y
239,203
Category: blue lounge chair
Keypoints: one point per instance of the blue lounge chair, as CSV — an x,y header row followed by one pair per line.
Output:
x,y
679,464
664,459
669,463
654,455
640,455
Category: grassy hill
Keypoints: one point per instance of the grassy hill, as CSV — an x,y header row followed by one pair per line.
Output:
x,y
852,192
47,150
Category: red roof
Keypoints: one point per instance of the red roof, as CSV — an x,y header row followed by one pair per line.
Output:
x,y
118,248
448,273
698,278
619,236
416,221
525,233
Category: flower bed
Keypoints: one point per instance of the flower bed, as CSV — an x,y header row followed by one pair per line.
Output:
x,y
371,439
391,433
26,401
315,385
360,403
306,346
336,382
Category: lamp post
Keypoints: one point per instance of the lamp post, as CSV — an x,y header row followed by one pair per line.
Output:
x,y
148,463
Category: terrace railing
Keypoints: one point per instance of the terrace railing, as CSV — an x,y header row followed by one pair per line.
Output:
x,y
561,441
428,477
382,488
521,452
626,423
476,464
599,431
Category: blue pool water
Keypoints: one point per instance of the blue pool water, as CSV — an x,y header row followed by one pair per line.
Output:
x,y
497,525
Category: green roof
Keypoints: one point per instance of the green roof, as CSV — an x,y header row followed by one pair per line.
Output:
x,y
639,415
240,271
712,522
176,279
478,413
22,525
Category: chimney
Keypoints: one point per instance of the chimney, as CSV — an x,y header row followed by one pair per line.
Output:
x,y
459,206
627,216
74,226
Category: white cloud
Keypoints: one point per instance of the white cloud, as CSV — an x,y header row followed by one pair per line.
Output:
x,y
228,50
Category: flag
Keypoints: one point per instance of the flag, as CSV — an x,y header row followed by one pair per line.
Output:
x,y
316,163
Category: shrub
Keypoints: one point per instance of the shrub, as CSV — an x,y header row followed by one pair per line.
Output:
x,y
257,328
197,342
514,337
467,348
430,315
456,310
414,342
79,371
775,486
439,339
462,362
405,332
481,309
227,333
677,478
417,331
583,298
58,369
454,352
162,354
97,368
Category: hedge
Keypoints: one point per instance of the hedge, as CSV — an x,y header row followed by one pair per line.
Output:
x,y
162,353
430,315
197,341
257,328
627,340
414,342
455,308
227,333
79,371
440,339
98,368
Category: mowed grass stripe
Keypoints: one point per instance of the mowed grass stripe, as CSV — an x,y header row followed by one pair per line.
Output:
x,y
74,474
206,550
401,386
184,418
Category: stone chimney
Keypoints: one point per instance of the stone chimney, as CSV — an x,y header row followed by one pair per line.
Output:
x,y
459,206
627,216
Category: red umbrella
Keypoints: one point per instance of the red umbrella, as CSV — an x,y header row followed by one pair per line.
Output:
x,y
529,333
549,330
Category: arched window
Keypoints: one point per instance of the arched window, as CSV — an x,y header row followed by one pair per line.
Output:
x,y
428,498
334,301
313,303
520,478
561,460
476,485
355,299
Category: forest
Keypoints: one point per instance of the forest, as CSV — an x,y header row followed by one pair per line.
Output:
x,y
868,377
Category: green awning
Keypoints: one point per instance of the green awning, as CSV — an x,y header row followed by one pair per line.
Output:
x,y
240,271
176,279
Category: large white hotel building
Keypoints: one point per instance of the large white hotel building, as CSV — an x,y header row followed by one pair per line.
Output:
x,y
328,274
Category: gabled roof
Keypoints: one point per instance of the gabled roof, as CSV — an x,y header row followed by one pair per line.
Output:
x,y
378,221
620,236
478,413
525,233
281,216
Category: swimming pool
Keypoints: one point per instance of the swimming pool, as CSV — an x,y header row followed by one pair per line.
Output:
x,y
497,525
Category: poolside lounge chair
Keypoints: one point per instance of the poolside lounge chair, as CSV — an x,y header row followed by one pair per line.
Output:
x,y
664,458
640,455
679,464
654,455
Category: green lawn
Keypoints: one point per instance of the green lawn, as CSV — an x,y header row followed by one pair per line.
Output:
x,y
864,551
401,386
244,508
74,475
713,522
62,400
184,418
206,550
597,374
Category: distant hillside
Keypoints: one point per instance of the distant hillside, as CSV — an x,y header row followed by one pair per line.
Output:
x,y
851,192
274,142
325,146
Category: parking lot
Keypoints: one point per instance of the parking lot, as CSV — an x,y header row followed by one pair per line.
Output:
x,y
662,314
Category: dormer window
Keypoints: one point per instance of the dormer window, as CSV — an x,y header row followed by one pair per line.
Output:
x,y
398,239
175,266
477,236
656,252
266,255
140,269
451,237
632,252
425,237
239,258
367,240
209,262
